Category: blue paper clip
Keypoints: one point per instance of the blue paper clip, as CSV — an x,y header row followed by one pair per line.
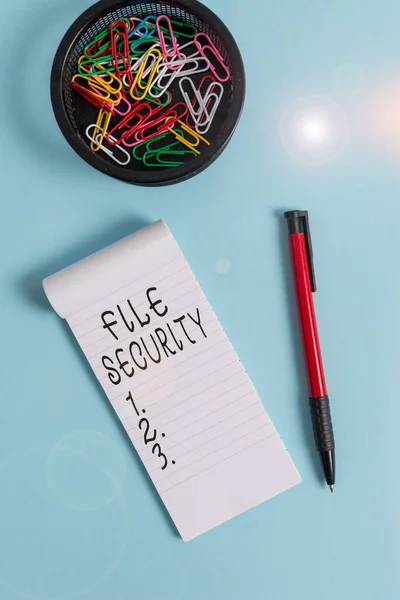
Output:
x,y
143,24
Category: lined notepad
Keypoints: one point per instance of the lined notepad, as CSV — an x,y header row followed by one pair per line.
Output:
x,y
173,378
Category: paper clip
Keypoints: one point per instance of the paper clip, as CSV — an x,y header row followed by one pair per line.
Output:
x,y
196,69
96,48
158,101
119,33
165,163
91,97
173,51
161,121
127,136
185,48
136,62
102,123
96,140
108,78
140,149
145,43
126,125
113,95
127,104
163,72
133,21
139,74
180,27
154,146
101,83
160,89
101,45
212,48
95,87
204,124
201,116
143,25
196,136
84,64
194,113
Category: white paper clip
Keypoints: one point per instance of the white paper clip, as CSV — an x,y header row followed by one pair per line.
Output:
x,y
201,115
107,151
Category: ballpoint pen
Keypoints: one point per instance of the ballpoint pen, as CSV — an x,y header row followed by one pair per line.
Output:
x,y
304,282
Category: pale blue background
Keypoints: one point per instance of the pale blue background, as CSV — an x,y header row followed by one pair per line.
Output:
x,y
56,209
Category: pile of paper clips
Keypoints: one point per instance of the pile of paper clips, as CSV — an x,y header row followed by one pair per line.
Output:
x,y
143,77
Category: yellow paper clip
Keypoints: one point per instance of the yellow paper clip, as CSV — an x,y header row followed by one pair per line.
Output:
x,y
102,123
109,78
99,84
83,68
197,137
141,70
104,92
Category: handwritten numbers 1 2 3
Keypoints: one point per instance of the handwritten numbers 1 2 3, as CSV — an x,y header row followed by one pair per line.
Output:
x,y
149,435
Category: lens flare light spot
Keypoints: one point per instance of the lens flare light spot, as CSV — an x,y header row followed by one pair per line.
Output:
x,y
314,130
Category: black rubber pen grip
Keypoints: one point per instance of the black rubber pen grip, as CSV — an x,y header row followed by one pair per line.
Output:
x,y
322,424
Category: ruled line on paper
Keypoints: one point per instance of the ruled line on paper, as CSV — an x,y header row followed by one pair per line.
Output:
x,y
177,366
178,376
199,420
143,305
216,429
134,281
176,472
218,463
193,356
200,393
121,410
178,391
203,431
175,399
213,450
235,387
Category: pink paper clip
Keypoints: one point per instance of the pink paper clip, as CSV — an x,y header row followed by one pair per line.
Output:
x,y
215,52
117,107
173,52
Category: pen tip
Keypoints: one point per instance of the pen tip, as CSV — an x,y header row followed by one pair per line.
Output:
x,y
331,488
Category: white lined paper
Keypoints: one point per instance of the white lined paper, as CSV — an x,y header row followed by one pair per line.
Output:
x,y
196,421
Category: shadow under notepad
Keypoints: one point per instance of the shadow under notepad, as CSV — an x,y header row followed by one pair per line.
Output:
x,y
31,283
31,287
302,402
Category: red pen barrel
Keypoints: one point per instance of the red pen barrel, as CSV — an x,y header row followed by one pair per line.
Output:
x,y
307,320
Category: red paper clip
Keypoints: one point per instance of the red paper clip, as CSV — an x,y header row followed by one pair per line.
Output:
x,y
125,123
131,131
92,97
119,36
171,115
